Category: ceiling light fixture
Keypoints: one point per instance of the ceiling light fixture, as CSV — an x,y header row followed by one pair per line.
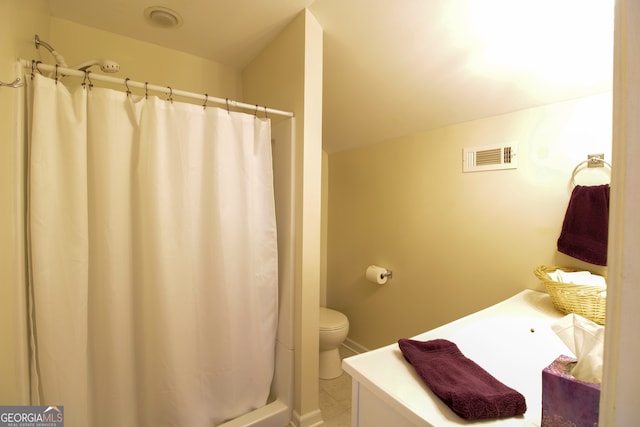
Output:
x,y
163,17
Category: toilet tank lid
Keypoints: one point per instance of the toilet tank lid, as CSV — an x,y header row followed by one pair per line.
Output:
x,y
332,319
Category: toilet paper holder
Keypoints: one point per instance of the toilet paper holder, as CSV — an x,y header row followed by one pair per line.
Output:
x,y
377,274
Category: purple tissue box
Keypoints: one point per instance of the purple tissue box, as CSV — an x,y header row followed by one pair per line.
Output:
x,y
567,400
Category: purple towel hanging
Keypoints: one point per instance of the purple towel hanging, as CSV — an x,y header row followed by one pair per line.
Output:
x,y
585,230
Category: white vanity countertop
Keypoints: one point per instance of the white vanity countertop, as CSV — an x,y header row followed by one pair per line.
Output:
x,y
511,340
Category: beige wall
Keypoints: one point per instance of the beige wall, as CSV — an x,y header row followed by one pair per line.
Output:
x,y
324,229
288,75
456,242
143,61
19,21
620,392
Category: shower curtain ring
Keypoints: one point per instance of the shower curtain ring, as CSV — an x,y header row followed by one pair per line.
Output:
x,y
85,79
266,116
146,90
255,114
227,101
56,73
206,99
126,84
170,94
34,66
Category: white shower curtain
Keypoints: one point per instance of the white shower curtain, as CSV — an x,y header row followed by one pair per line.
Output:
x,y
153,259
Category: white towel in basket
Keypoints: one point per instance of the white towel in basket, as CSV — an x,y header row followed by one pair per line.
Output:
x,y
577,278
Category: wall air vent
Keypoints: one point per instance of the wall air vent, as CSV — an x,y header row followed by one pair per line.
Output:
x,y
490,157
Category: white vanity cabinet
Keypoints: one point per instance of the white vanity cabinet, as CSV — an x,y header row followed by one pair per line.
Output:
x,y
511,340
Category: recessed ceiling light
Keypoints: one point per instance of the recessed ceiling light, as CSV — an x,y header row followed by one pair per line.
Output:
x,y
163,17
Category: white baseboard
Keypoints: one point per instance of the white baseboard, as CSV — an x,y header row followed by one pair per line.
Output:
x,y
310,419
314,418
353,346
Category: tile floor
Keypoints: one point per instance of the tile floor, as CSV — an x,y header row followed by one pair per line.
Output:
x,y
335,398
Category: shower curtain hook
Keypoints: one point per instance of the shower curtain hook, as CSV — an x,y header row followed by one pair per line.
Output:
x,y
206,99
146,90
34,66
86,77
227,101
266,115
56,73
126,84
170,94
38,69
255,114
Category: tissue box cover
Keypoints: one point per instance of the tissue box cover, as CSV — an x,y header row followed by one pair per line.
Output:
x,y
567,401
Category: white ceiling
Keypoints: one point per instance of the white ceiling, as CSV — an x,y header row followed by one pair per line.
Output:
x,y
396,67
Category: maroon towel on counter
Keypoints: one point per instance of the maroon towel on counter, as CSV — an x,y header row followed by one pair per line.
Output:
x,y
585,230
470,391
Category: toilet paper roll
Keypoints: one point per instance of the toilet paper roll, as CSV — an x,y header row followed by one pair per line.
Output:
x,y
377,274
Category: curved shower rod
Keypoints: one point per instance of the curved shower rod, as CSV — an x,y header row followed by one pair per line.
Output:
x,y
128,84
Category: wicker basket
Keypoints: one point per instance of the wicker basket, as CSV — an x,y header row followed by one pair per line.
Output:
x,y
586,300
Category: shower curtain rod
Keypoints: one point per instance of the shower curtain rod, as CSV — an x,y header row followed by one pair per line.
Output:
x,y
127,83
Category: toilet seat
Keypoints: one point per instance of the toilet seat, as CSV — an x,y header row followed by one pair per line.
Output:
x,y
331,320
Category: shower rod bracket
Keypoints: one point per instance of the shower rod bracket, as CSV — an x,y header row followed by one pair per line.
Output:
x,y
16,83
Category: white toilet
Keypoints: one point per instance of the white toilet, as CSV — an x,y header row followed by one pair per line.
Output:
x,y
334,327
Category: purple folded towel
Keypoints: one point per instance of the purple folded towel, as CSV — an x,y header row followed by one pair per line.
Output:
x,y
585,230
470,391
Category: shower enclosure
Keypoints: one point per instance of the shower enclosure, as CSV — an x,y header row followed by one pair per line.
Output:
x,y
278,410
127,325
